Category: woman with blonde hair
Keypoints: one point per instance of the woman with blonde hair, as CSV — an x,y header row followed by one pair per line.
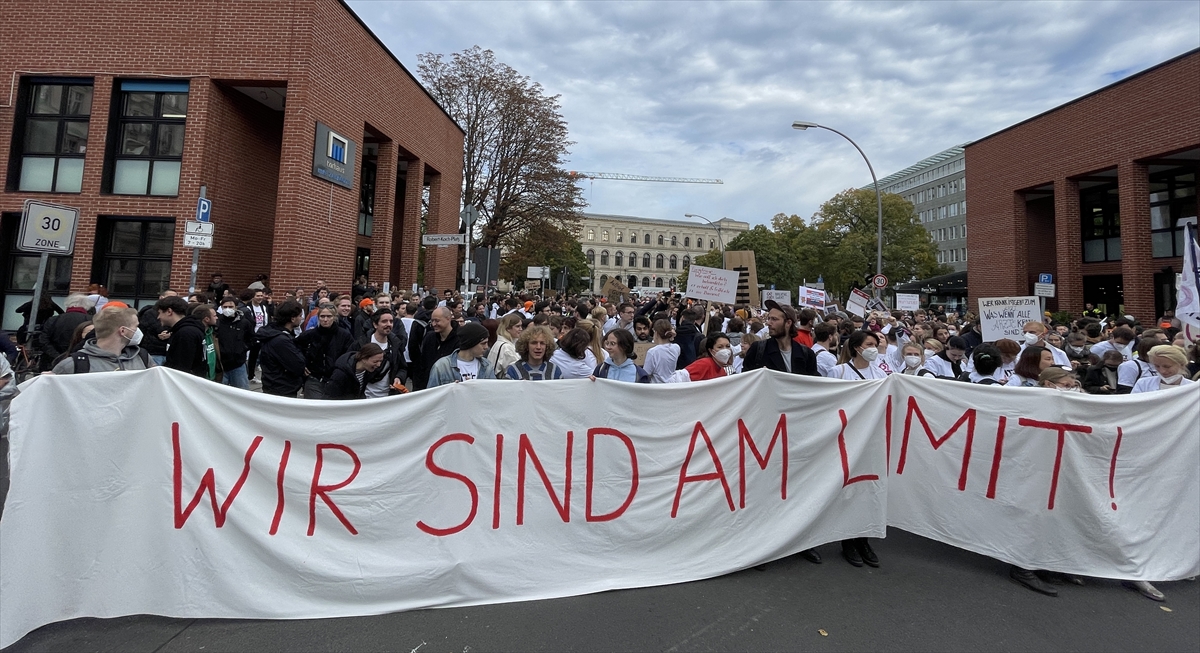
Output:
x,y
504,352
1171,364
594,330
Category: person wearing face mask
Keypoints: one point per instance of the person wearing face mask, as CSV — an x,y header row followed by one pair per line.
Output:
x,y
912,358
234,335
1170,362
948,364
1078,350
1121,341
1137,368
1056,378
1101,378
114,349
858,359
1035,335
716,359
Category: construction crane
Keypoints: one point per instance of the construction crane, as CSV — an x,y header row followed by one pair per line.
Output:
x,y
623,177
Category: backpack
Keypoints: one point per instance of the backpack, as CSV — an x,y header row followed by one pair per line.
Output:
x,y
83,362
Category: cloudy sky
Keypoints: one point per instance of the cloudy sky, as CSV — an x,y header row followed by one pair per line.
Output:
x,y
691,89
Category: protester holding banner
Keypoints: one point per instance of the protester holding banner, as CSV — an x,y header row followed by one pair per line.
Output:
x,y
465,363
619,363
857,359
1170,363
350,372
1056,378
947,364
1035,335
1032,361
716,359
534,347
912,357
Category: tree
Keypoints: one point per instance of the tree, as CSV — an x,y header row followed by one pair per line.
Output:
x,y
845,234
550,246
514,147
711,259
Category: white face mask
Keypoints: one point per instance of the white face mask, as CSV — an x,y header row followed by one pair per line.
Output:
x,y
1170,380
228,312
136,338
929,353
1070,389
870,353
722,356
1031,338
912,360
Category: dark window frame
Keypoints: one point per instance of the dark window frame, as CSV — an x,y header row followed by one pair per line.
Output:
x,y
118,121
25,99
1177,199
366,196
1100,220
102,255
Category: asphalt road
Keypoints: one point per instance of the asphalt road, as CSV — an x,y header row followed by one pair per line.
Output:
x,y
926,597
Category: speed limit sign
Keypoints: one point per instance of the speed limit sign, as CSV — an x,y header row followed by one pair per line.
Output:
x,y
879,281
48,228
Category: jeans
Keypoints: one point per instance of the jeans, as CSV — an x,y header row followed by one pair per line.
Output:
x,y
158,360
236,377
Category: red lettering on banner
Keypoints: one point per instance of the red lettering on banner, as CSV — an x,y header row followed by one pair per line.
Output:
x,y
1112,469
744,438
207,483
283,461
444,473
496,486
996,456
1062,437
525,451
968,417
719,474
322,490
589,478
887,425
846,480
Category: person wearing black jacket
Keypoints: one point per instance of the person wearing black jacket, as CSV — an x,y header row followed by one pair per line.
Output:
x,y
782,353
441,339
235,334
688,337
350,372
154,334
322,345
55,336
185,349
217,288
281,360
393,344
420,326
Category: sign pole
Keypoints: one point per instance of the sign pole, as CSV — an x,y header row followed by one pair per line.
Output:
x,y
37,291
707,310
196,251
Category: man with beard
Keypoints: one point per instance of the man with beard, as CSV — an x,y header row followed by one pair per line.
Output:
x,y
393,343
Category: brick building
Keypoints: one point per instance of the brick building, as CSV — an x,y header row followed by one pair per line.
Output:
x,y
1092,192
316,146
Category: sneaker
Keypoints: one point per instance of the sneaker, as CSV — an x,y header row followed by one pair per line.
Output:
x,y
850,553
1145,589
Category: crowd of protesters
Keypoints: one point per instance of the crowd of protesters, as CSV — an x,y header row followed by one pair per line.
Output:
x,y
369,343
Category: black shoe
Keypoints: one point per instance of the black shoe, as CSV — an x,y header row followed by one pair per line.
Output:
x,y
762,567
850,553
811,555
866,552
1058,578
1030,580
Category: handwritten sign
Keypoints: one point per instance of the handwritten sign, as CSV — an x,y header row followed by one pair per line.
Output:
x,y
781,297
905,302
1004,317
857,304
712,284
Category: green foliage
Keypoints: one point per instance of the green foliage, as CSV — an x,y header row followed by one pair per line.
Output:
x,y
546,245
710,259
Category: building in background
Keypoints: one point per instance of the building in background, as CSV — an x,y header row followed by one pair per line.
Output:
x,y
937,186
320,152
1092,192
648,253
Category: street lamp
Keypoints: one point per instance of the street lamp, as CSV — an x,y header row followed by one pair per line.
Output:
x,y
802,125
715,226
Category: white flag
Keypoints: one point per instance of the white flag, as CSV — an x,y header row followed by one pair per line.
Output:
x,y
1187,304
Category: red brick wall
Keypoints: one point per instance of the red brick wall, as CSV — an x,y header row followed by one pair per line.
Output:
x,y
1146,116
296,228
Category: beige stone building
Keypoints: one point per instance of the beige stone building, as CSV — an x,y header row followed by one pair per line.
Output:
x,y
648,254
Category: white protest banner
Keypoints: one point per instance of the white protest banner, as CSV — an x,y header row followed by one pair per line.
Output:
x,y
781,297
811,297
907,302
1005,317
712,284
140,499
857,303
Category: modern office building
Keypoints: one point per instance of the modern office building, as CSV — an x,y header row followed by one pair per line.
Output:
x,y
648,253
319,151
1093,193
937,188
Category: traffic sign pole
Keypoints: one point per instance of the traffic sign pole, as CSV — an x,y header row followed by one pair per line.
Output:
x,y
196,250
37,291
45,228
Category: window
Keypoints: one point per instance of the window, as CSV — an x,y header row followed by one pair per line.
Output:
x,y
591,234
633,237
1172,198
674,262
645,281
687,260
620,258
712,244
954,232
646,238
674,241
687,241
962,207
50,143
604,257
660,240
954,209
964,231
962,184
1099,209
603,280
591,257
366,197
632,259
658,263
133,257
620,236
941,259
658,283
646,259
148,149
964,253
22,273
604,236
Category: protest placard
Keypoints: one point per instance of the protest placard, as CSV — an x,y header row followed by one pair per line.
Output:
x,y
907,302
712,284
781,297
1004,317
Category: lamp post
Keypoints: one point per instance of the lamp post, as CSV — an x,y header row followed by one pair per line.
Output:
x,y
802,125
715,226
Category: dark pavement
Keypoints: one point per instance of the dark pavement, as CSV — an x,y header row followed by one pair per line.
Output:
x,y
926,596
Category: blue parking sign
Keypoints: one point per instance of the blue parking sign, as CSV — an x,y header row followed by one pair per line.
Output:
x,y
203,210
1045,277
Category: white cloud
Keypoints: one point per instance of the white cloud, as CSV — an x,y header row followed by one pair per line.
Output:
x,y
711,89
